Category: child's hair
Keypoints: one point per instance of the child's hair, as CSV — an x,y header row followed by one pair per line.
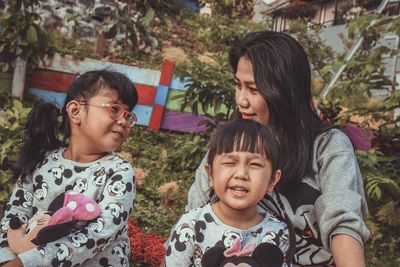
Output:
x,y
245,136
42,128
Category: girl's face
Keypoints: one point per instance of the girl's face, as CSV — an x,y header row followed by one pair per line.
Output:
x,y
98,132
250,102
241,179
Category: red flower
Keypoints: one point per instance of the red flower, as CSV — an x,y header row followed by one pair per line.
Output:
x,y
145,248
136,239
154,251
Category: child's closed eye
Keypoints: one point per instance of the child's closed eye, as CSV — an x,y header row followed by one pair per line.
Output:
x,y
228,163
257,164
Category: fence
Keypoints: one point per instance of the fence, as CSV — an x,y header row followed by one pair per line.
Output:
x,y
157,107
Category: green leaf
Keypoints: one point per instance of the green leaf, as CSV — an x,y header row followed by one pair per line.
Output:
x,y
148,17
31,35
369,68
4,149
2,46
6,16
4,67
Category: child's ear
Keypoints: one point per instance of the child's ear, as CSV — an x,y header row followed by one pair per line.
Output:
x,y
208,171
73,109
274,180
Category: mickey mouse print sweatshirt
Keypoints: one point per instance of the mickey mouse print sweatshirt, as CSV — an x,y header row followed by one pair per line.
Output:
x,y
102,241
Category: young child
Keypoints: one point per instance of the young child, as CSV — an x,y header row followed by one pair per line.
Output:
x,y
96,120
242,168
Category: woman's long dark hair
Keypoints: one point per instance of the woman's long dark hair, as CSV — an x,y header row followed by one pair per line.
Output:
x,y
42,128
283,77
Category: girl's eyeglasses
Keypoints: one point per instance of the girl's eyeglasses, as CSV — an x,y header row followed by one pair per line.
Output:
x,y
116,112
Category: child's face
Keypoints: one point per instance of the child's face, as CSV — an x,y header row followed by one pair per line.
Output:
x,y
241,179
98,131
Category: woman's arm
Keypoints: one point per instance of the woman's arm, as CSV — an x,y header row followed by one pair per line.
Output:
x,y
342,206
347,251
199,191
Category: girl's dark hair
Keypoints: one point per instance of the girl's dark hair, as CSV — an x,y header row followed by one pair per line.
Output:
x,y
244,136
42,128
283,77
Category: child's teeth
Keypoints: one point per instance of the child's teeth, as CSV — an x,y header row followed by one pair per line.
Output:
x,y
239,189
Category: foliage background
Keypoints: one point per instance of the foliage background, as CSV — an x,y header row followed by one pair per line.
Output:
x,y
166,161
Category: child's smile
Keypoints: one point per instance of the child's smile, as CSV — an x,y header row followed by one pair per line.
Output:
x,y
240,179
239,190
119,134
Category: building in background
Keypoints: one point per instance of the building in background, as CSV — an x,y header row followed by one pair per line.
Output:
x,y
332,16
317,12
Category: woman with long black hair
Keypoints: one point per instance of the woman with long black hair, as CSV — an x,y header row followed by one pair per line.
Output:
x,y
321,189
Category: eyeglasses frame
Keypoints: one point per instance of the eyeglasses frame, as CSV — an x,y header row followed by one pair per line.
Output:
x,y
109,106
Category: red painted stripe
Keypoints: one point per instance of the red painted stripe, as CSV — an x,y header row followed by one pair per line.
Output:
x,y
51,80
146,94
156,117
60,82
166,72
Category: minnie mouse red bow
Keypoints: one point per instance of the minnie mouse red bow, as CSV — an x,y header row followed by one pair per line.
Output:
x,y
236,250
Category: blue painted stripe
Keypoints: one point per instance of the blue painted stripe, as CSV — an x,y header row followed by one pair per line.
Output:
x,y
143,114
55,98
161,95
142,76
177,84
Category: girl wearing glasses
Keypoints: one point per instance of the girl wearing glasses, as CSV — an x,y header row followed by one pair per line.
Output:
x,y
95,120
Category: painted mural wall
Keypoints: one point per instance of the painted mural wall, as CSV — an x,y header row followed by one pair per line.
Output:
x,y
157,107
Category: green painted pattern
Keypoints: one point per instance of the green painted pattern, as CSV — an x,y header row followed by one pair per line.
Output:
x,y
175,104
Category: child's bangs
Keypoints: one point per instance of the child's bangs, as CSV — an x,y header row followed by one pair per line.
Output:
x,y
242,140
120,85
244,136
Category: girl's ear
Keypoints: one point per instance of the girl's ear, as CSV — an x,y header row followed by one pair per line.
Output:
x,y
274,180
73,109
208,171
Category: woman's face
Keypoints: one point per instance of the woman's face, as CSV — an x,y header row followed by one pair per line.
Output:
x,y
250,102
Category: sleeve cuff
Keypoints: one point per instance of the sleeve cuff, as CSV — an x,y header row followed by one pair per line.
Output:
x,y
6,255
345,231
33,258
